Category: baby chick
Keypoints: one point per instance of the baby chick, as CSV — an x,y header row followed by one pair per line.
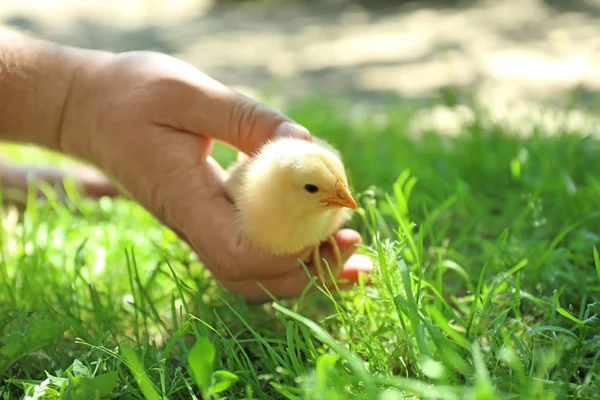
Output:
x,y
291,195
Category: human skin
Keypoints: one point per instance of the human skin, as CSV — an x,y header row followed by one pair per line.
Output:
x,y
149,122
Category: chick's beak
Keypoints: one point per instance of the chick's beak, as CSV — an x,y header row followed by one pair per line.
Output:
x,y
342,198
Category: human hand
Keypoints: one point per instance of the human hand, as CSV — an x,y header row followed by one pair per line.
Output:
x,y
149,121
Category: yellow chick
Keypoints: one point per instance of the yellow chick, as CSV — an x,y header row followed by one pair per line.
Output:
x,y
291,195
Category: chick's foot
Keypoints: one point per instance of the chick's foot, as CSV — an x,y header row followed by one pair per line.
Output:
x,y
318,262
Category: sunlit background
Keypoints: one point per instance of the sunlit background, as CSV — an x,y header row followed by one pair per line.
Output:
x,y
506,53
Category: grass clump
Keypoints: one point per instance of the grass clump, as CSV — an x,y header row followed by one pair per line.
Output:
x,y
487,283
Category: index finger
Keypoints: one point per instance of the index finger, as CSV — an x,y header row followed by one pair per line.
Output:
x,y
200,105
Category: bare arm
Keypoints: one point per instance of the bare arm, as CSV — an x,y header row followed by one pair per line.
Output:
x,y
150,120
35,81
35,77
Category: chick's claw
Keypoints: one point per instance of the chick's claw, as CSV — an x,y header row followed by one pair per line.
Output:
x,y
337,255
318,261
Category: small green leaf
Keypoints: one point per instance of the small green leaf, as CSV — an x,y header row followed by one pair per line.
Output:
x,y
57,381
33,334
325,367
550,328
201,358
80,370
484,387
287,391
567,314
593,321
326,362
515,169
178,335
594,307
82,387
223,380
137,369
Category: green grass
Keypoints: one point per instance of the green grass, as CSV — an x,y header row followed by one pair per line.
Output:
x,y
487,282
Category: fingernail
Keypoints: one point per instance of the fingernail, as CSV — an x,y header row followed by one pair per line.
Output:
x,y
291,129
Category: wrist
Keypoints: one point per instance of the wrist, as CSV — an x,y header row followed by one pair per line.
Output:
x,y
36,78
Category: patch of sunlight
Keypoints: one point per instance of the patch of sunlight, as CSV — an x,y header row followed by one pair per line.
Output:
x,y
521,117
125,13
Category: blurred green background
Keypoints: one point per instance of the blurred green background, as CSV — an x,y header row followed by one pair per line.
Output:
x,y
503,52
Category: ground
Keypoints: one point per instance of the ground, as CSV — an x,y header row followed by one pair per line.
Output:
x,y
485,241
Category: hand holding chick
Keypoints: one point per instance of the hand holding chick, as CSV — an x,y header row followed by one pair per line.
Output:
x,y
292,195
149,121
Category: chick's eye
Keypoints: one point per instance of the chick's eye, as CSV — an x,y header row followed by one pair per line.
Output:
x,y
311,188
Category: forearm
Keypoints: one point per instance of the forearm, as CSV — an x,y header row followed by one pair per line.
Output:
x,y
35,80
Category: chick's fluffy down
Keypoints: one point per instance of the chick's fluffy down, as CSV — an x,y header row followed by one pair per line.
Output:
x,y
275,211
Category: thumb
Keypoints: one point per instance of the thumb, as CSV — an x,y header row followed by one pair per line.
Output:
x,y
206,107
252,123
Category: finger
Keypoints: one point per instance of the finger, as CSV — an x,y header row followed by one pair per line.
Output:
x,y
347,240
205,147
205,107
357,265
220,173
251,124
293,283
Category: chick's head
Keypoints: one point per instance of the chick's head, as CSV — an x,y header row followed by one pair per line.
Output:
x,y
317,182
312,177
